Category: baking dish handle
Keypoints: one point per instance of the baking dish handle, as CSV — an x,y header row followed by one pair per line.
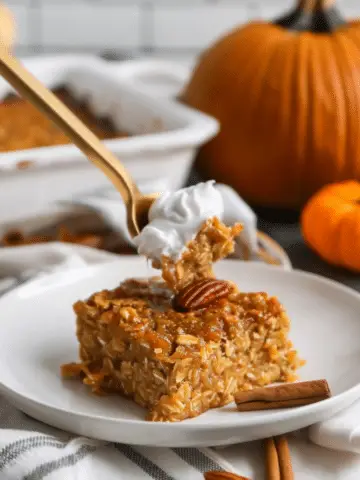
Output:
x,y
158,78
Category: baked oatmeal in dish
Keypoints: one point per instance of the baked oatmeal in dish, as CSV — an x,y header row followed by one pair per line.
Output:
x,y
23,126
187,342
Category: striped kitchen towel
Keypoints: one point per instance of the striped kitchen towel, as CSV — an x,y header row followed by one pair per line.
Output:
x,y
30,450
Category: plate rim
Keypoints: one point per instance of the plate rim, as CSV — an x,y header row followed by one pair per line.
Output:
x,y
261,417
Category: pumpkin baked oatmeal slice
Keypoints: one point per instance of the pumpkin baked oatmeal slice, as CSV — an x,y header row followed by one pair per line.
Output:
x,y
187,342
178,364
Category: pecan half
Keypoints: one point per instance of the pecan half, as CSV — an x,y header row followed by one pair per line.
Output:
x,y
202,293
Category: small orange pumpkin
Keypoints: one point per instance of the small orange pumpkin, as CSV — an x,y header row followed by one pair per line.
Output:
x,y
287,96
331,224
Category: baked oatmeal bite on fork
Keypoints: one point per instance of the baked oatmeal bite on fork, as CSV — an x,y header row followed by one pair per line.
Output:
x,y
187,342
185,235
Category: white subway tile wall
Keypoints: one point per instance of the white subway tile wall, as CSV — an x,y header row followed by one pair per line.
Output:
x,y
90,24
194,26
134,27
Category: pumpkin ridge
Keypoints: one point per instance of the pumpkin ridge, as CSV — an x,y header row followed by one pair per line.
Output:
x,y
353,98
329,221
301,115
248,120
353,34
286,100
347,223
312,80
355,170
272,72
334,236
226,46
341,100
268,48
340,58
337,114
319,112
326,167
226,117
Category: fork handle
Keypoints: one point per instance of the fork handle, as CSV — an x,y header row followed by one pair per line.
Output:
x,y
43,99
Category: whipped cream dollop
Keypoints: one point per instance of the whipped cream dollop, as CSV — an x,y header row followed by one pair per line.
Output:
x,y
175,218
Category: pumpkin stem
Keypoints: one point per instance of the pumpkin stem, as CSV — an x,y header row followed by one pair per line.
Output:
x,y
316,16
311,5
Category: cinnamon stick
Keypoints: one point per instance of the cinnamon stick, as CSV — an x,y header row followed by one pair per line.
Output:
x,y
278,460
282,448
271,460
283,396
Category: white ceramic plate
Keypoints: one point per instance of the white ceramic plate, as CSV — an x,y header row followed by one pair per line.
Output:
x,y
38,334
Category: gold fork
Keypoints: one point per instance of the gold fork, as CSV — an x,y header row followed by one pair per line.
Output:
x,y
137,205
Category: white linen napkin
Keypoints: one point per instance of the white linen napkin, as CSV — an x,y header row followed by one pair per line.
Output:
x,y
30,450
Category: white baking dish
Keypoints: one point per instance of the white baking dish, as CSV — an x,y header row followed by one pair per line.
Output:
x,y
162,79
165,136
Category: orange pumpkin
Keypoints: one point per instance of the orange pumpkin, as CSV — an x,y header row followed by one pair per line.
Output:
x,y
331,224
287,95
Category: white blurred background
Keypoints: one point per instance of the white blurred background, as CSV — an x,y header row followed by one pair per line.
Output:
x,y
176,29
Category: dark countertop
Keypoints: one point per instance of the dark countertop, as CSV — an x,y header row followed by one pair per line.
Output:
x,y
288,235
